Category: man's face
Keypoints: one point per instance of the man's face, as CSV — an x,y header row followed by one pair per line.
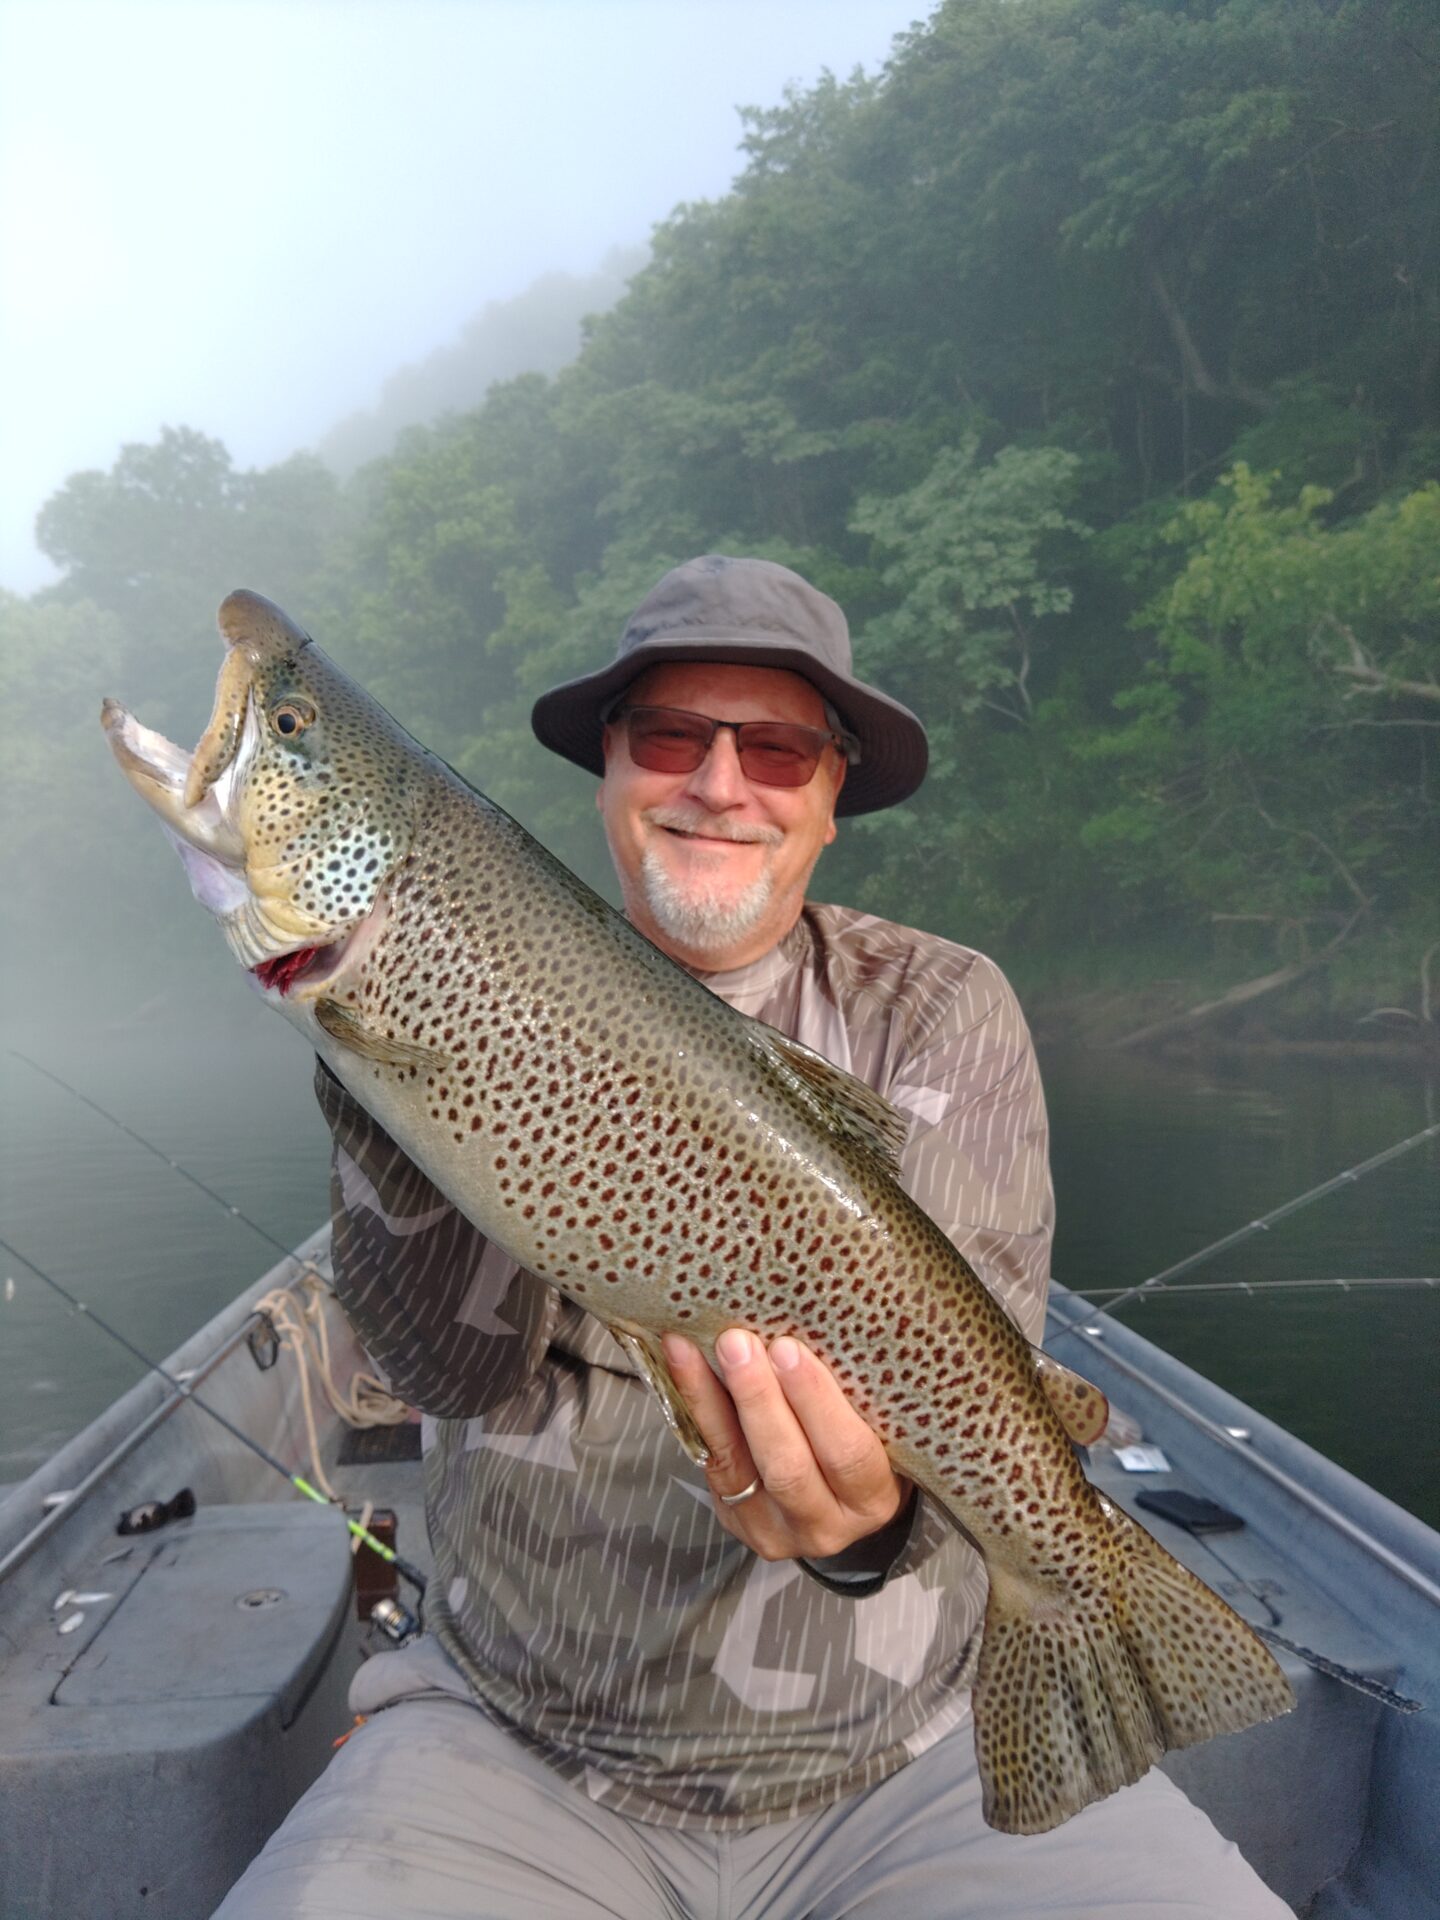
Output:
x,y
713,866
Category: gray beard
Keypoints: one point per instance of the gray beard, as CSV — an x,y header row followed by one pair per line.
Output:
x,y
698,917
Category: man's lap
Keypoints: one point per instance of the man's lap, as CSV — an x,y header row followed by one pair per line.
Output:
x,y
432,1811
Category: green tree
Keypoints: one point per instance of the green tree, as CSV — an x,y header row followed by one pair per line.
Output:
x,y
969,543
1275,762
162,537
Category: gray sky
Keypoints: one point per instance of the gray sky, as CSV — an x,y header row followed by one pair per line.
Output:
x,y
241,217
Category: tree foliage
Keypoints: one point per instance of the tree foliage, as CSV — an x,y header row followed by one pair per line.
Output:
x,y
1089,354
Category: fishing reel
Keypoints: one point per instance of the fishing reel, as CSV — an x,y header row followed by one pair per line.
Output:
x,y
397,1623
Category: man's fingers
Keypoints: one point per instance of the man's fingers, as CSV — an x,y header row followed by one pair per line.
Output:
x,y
775,1437
730,1466
849,1454
780,1416
851,1457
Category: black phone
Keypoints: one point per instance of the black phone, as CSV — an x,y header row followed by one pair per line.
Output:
x,y
1193,1511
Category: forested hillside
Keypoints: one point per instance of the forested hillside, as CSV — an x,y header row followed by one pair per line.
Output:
x,y
1089,355
538,331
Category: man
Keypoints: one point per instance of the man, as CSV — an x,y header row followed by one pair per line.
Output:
x,y
647,1689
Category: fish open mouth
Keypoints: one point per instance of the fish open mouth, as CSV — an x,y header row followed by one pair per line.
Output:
x,y
254,907
307,971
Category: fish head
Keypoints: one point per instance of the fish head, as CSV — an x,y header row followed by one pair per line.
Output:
x,y
296,807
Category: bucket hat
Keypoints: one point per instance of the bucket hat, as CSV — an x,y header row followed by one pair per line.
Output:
x,y
745,612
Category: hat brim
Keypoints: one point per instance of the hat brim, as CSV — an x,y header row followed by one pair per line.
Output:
x,y
893,748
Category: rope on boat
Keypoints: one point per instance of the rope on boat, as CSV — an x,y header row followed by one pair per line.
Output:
x,y
297,1314
1347,1676
1321,1662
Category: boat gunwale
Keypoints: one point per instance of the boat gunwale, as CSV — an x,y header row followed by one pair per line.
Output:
x,y
228,1327
1323,1505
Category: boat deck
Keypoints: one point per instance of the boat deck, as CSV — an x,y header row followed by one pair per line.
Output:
x,y
194,1680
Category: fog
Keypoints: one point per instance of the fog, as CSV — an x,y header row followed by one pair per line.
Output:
x,y
244,218
271,273
285,227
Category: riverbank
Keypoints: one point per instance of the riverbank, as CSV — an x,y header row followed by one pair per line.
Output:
x,y
1376,1000
1107,1018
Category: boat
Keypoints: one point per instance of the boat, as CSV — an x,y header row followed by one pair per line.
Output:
x,y
167,1694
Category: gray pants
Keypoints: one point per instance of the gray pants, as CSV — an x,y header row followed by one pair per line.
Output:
x,y
430,1812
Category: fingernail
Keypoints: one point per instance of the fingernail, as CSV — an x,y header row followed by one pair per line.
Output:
x,y
734,1347
785,1354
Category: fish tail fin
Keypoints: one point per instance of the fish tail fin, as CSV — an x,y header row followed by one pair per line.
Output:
x,y
1079,1693
1206,1670
1062,1714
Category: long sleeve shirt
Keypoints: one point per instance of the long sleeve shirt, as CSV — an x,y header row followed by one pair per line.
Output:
x,y
584,1586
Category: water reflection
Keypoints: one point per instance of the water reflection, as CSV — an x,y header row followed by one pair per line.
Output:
x,y
1155,1159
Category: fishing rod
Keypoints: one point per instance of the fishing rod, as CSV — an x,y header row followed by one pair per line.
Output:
x,y
305,1266
1156,1283
403,1567
1266,1220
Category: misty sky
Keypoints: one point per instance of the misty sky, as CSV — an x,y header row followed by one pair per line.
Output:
x,y
242,217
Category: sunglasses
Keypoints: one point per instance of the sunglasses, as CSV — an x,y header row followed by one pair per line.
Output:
x,y
773,753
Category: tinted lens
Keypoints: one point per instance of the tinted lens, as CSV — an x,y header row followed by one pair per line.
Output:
x,y
773,753
666,741
776,755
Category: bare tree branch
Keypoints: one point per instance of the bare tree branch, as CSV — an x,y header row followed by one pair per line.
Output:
x,y
1242,995
1367,676
1197,374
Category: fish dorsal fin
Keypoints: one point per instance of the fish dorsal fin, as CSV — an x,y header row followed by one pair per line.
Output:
x,y
841,1102
1083,1409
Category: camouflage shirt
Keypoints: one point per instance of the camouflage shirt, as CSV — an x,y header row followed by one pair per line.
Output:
x,y
583,1585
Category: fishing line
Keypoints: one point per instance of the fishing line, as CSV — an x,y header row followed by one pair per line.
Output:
x,y
1416,1281
1156,1282
1322,1663
1348,1178
149,1146
402,1567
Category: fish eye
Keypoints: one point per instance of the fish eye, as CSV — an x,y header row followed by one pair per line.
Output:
x,y
290,718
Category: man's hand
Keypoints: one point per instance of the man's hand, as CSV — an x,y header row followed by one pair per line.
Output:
x,y
826,1481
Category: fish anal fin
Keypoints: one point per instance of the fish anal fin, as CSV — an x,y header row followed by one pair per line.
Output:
x,y
1083,1409
352,1030
843,1103
648,1358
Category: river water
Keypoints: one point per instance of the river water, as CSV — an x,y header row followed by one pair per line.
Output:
x,y
1153,1160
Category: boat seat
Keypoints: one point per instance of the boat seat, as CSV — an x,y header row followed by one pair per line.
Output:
x,y
147,1755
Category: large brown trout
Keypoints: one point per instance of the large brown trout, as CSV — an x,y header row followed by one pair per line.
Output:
x,y
670,1164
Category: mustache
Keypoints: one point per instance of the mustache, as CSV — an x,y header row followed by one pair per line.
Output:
x,y
695,820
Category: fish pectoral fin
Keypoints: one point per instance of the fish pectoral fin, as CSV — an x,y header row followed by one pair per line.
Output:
x,y
1083,1409
352,1030
842,1103
648,1358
